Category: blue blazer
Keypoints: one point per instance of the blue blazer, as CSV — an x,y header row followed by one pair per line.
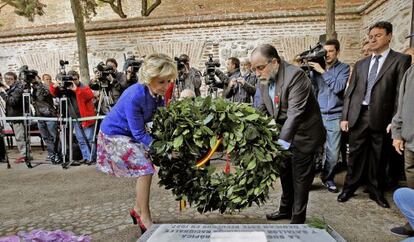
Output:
x,y
135,107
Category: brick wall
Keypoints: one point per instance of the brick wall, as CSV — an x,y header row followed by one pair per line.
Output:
x,y
398,12
59,11
223,35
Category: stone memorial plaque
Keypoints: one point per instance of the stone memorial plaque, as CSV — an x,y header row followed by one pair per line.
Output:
x,y
203,232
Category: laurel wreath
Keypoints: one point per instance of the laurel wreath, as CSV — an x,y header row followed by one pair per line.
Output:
x,y
195,128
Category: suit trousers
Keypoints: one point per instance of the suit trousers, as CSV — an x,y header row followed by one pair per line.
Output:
x,y
296,175
366,162
409,167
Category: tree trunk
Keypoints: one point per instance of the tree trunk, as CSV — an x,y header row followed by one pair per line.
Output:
x,y
81,40
412,24
330,19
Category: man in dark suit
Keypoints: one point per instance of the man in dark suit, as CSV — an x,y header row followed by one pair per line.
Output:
x,y
370,103
286,94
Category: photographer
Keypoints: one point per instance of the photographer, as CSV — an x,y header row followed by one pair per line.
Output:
x,y
243,88
3,88
190,76
233,72
81,105
44,107
14,108
130,77
107,76
331,82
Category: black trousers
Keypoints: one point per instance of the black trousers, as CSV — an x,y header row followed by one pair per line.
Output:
x,y
2,148
366,162
296,175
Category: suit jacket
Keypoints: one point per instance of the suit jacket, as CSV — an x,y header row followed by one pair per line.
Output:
x,y
384,95
296,109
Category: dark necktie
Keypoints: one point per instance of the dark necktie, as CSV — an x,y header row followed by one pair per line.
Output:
x,y
372,76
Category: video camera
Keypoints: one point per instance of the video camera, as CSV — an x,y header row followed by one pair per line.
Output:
x,y
104,72
28,76
181,67
211,70
314,54
67,80
133,63
180,64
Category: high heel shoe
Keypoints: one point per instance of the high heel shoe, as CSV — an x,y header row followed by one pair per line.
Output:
x,y
136,219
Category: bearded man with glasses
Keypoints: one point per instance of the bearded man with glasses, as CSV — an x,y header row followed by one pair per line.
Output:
x,y
286,95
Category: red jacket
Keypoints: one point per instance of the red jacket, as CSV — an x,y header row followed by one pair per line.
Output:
x,y
84,99
169,94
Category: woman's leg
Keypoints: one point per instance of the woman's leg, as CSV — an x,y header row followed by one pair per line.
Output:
x,y
142,199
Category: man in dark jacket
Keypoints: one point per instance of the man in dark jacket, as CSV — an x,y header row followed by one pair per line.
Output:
x,y
43,104
286,95
243,88
370,103
233,73
14,108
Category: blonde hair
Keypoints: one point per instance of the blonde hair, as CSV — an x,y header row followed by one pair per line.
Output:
x,y
157,65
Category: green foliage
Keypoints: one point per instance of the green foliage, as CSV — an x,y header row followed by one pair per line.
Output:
x,y
317,223
26,8
192,127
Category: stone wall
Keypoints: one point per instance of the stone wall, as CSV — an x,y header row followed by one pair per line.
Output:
x,y
59,11
398,12
223,35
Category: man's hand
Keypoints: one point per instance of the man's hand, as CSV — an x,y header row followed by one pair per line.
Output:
x,y
388,128
73,87
95,93
316,67
232,83
56,83
2,89
398,145
344,126
241,81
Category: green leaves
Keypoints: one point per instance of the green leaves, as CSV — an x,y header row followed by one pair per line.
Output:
x,y
208,118
252,117
192,127
252,165
178,142
213,141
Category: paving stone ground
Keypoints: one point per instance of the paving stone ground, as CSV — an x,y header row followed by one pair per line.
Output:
x,y
84,201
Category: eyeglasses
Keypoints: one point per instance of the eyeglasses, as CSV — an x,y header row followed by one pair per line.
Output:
x,y
261,67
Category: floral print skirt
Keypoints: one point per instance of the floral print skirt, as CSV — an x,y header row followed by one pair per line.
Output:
x,y
118,155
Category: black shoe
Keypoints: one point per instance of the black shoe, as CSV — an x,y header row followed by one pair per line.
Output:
x,y
278,215
380,200
330,184
76,163
404,231
90,162
344,196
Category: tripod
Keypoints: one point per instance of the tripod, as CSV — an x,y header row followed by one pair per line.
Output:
x,y
212,91
26,125
103,97
63,128
69,106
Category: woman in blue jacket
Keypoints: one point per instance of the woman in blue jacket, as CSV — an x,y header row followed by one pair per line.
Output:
x,y
123,141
